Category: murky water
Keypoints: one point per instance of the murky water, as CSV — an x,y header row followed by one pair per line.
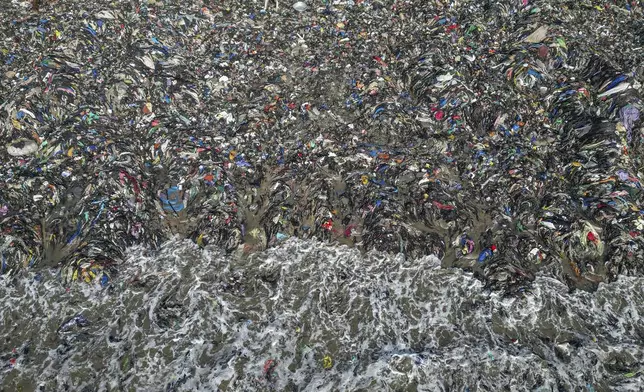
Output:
x,y
308,316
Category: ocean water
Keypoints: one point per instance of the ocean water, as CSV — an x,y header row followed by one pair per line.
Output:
x,y
308,316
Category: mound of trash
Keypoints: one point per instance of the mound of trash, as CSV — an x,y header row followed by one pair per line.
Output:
x,y
503,137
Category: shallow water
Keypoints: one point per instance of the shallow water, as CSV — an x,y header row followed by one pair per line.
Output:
x,y
190,319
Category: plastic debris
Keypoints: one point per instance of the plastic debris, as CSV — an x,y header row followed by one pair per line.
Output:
x,y
394,127
76,321
415,128
300,6
486,253
538,35
269,370
327,362
22,147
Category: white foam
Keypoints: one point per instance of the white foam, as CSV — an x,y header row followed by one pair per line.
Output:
x,y
198,318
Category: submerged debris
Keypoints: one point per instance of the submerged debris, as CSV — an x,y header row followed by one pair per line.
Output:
x,y
76,321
